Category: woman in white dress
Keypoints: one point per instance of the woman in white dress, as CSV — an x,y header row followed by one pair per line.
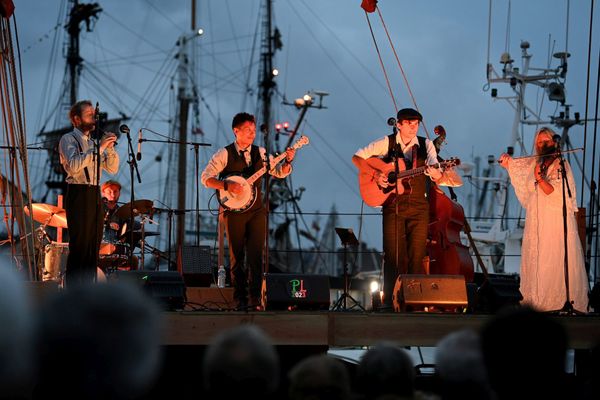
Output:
x,y
538,186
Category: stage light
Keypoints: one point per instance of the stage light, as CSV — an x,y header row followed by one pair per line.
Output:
x,y
275,72
277,127
374,286
200,32
286,125
307,98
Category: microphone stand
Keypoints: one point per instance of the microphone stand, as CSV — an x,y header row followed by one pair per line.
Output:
x,y
568,306
196,145
197,210
96,183
267,161
132,166
170,213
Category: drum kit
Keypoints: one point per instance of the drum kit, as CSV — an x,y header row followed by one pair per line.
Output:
x,y
115,248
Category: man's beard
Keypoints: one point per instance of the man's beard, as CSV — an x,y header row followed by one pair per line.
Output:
x,y
87,126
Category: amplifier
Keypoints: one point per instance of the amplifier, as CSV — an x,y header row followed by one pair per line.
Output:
x,y
427,292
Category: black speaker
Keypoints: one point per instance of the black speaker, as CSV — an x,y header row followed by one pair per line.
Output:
x,y
430,292
295,292
196,266
166,287
497,291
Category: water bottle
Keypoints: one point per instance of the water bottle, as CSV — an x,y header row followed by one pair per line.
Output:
x,y
221,275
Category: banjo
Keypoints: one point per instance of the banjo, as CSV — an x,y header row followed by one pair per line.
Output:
x,y
244,200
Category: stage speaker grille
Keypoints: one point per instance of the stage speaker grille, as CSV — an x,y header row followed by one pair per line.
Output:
x,y
167,288
430,293
196,266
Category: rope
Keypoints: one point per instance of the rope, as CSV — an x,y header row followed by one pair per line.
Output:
x,y
387,81
412,97
587,99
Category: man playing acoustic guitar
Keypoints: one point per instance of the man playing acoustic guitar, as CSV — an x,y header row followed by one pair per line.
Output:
x,y
405,215
245,227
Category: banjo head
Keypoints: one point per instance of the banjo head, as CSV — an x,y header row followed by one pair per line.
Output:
x,y
237,202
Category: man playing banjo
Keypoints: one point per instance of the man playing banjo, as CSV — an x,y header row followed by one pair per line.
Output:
x,y
245,226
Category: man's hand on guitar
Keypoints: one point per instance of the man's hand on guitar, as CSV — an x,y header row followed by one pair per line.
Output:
x,y
380,178
433,172
289,155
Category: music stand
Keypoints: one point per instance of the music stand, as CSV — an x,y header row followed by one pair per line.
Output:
x,y
347,237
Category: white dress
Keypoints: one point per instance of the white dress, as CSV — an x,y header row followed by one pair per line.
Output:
x,y
542,252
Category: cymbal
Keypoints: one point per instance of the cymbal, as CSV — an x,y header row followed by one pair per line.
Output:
x,y
48,214
139,207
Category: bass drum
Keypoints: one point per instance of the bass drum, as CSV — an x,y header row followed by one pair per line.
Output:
x,y
55,263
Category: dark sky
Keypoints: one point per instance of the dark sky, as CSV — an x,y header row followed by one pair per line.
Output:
x,y
442,46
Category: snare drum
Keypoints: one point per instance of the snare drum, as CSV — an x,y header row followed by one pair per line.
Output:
x,y
55,263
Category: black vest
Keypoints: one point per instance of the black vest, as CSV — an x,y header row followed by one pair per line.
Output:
x,y
418,184
236,164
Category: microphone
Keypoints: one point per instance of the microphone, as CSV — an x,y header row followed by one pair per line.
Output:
x,y
391,121
556,138
97,111
124,129
139,152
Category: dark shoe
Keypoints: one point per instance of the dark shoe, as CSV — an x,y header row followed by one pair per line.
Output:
x,y
241,305
386,307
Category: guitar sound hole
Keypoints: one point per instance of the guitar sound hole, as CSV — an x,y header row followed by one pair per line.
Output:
x,y
391,178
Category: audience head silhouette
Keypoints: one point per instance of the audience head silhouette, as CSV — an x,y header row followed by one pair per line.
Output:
x,y
460,368
15,335
98,342
525,352
241,362
385,369
319,377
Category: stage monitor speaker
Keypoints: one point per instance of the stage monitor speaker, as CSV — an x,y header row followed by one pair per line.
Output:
x,y
165,287
497,292
295,292
430,293
196,266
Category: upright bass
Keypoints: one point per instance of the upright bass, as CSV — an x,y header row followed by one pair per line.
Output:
x,y
447,254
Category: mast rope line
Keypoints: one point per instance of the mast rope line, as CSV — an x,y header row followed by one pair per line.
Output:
x,y
402,72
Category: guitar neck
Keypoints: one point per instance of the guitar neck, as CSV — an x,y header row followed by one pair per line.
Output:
x,y
262,171
410,173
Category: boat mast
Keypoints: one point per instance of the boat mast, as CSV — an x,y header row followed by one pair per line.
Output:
x,y
78,14
185,95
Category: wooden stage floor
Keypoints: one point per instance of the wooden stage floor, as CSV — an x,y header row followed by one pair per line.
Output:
x,y
350,329
332,328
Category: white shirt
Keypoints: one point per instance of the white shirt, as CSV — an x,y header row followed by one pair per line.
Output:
x,y
77,151
379,148
218,162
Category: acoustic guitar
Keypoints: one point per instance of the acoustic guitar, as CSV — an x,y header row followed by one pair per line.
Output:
x,y
374,195
243,201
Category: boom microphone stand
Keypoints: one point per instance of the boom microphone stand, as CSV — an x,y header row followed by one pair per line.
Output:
x,y
132,166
